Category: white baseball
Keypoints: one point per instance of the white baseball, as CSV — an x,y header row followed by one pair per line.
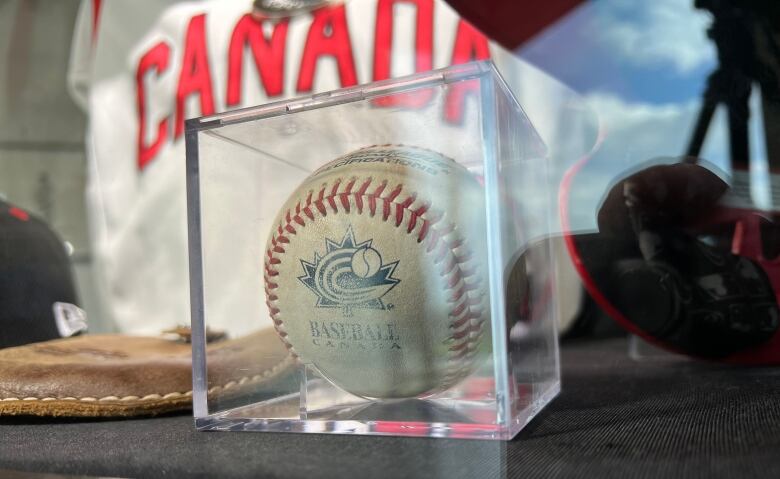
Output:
x,y
373,273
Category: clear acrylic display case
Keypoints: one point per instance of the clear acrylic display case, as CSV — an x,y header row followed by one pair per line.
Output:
x,y
403,359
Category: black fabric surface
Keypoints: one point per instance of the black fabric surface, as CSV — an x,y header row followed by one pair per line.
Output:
x,y
662,417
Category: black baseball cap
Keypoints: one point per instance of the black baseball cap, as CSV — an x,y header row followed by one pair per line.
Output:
x,y
37,294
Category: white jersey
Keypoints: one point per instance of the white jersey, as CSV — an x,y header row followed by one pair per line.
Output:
x,y
141,68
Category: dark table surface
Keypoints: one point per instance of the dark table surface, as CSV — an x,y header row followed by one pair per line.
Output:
x,y
616,417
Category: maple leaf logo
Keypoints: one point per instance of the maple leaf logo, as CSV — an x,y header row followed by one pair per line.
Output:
x,y
349,275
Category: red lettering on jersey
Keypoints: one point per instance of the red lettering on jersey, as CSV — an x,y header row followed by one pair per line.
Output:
x,y
96,5
268,55
470,44
328,36
195,76
154,61
423,50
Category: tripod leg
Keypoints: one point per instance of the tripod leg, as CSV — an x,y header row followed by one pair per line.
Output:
x,y
702,125
770,104
739,116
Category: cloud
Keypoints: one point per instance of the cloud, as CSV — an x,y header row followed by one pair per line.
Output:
x,y
656,33
636,133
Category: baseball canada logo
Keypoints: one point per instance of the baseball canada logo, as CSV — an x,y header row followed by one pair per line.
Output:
x,y
350,275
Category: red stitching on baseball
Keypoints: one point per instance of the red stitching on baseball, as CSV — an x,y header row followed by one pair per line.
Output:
x,y
468,317
423,231
454,279
474,328
466,287
459,309
394,194
459,350
433,241
442,253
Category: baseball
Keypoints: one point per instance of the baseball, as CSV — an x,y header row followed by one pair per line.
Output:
x,y
374,272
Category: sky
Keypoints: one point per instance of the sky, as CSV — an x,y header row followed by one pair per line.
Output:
x,y
654,51
642,67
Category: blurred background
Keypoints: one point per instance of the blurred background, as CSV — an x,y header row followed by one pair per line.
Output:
x,y
42,131
642,67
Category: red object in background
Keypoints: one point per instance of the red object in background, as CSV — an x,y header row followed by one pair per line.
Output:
x,y
753,241
749,240
19,213
513,22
